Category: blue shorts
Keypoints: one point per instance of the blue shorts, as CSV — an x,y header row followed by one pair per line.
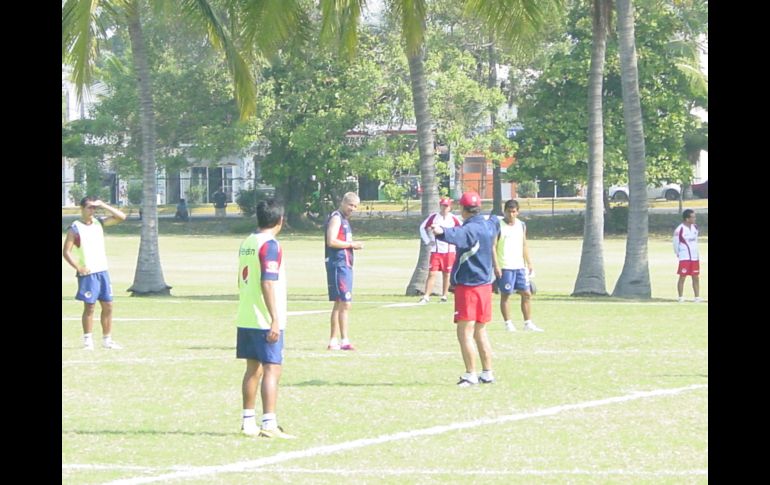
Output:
x,y
513,280
253,344
94,286
339,282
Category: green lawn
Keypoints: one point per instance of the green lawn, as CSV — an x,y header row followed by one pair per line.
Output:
x,y
167,407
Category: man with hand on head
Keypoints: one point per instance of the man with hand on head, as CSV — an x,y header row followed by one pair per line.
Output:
x,y
442,254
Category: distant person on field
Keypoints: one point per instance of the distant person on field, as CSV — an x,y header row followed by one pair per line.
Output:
x,y
686,249
182,212
339,246
261,319
84,250
513,266
472,276
442,254
220,203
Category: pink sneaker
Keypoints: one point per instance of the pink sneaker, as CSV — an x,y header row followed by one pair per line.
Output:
x,y
332,347
347,347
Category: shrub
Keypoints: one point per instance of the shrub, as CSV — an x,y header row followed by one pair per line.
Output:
x,y
527,188
135,192
195,194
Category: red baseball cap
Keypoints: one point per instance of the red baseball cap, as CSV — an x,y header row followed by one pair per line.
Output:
x,y
470,199
445,201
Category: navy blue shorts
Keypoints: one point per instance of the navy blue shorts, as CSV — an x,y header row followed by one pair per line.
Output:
x,y
513,280
94,286
253,344
339,282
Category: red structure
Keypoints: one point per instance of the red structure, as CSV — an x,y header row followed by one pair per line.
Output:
x,y
476,174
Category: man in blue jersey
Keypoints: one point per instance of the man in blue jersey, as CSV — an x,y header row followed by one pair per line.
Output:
x,y
85,238
339,246
261,319
472,277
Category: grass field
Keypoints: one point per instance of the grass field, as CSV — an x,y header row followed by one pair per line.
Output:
x,y
614,391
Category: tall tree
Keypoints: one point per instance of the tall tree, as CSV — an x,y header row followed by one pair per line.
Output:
x,y
83,28
590,278
634,280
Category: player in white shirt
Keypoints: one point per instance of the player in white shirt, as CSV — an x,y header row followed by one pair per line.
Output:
x,y
442,254
686,249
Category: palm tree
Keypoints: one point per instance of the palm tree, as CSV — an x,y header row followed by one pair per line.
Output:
x,y
590,278
634,280
82,24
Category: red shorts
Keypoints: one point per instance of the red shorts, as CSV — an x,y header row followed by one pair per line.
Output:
x,y
686,267
442,262
473,303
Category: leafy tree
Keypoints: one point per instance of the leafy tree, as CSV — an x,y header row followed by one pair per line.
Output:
x,y
85,24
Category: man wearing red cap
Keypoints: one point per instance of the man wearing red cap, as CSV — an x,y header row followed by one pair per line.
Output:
x,y
442,254
472,275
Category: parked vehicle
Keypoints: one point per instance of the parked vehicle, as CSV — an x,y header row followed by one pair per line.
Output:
x,y
619,193
701,190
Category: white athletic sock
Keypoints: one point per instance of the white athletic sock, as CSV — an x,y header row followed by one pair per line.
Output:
x,y
471,377
269,421
345,341
527,321
487,374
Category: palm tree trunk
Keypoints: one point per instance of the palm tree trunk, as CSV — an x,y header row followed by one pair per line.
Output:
x,y
634,280
590,279
497,193
148,278
427,164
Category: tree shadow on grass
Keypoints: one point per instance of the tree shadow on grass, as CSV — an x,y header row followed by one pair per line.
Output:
x,y
140,432
321,383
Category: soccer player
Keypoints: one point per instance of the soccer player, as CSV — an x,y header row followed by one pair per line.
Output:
x,y
261,319
442,254
513,266
339,246
472,275
85,238
686,249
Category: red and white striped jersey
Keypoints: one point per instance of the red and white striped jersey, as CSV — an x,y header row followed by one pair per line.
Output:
x,y
438,246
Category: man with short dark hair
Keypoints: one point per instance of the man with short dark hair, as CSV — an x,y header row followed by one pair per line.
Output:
x,y
220,203
686,249
85,237
261,319
472,277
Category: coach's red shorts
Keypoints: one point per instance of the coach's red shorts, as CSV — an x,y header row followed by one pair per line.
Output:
x,y
473,303
691,268
442,262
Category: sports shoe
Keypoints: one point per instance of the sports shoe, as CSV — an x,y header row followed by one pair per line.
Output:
x,y
681,299
532,327
423,301
111,344
347,347
443,299
250,429
463,382
486,381
275,433
510,326
697,300
88,345
333,347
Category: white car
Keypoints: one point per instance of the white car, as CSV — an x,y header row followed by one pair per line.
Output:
x,y
619,193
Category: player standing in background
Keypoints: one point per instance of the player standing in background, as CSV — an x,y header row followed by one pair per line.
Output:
x,y
261,319
339,246
442,254
686,249
472,276
513,266
85,237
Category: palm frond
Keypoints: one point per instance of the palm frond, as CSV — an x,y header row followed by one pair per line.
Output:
x,y
340,21
79,41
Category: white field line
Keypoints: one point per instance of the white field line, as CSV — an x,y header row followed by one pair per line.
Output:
x,y
252,465
465,471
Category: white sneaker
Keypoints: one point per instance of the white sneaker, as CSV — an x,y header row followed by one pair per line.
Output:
x,y
423,301
463,382
681,299
510,326
532,327
697,300
88,345
443,299
111,344
250,428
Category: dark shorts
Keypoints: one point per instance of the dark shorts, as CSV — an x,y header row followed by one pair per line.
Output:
x,y
253,344
513,280
339,282
94,286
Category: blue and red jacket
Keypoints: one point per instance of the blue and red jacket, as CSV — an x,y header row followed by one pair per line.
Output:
x,y
475,241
